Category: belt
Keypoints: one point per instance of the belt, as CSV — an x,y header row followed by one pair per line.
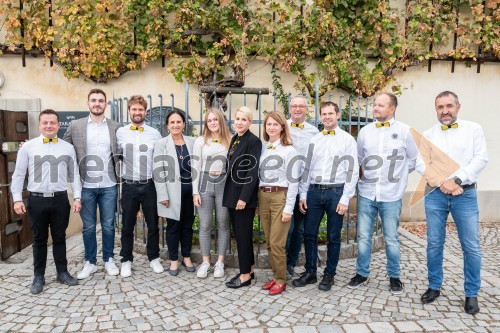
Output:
x,y
472,186
326,186
138,182
268,189
469,186
48,194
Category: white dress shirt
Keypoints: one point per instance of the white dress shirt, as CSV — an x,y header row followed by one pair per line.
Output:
x,y
137,151
334,161
279,167
50,167
213,152
301,138
465,144
99,146
385,179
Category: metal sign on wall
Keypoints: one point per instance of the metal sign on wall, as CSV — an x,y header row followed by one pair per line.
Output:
x,y
65,119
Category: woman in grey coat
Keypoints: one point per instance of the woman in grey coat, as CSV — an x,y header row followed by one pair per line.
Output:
x,y
173,181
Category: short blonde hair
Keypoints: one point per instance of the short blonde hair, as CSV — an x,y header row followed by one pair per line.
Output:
x,y
246,111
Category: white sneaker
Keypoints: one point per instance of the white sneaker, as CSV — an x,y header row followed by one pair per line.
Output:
x,y
203,270
86,271
219,270
126,270
156,265
111,268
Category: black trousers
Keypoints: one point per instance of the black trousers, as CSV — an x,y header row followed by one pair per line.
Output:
x,y
242,224
181,230
45,213
133,197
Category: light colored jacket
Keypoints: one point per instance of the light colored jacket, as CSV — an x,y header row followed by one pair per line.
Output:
x,y
168,185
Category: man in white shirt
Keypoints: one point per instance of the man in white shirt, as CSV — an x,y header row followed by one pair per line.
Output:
x,y
465,143
385,148
301,132
137,141
50,164
331,182
94,139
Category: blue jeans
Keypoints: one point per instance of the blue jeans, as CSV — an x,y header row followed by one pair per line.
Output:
x,y
389,213
105,198
295,236
465,213
320,202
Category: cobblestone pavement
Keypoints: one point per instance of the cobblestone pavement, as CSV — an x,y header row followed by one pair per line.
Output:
x,y
160,302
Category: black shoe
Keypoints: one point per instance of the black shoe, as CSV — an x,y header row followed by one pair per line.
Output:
x,y
357,281
290,270
396,286
66,278
471,306
305,279
237,283
326,283
252,277
189,269
37,285
430,296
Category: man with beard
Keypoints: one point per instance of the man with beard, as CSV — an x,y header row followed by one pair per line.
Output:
x,y
465,143
137,141
94,140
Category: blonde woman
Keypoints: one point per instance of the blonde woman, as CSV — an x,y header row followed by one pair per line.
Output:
x,y
240,192
278,187
209,162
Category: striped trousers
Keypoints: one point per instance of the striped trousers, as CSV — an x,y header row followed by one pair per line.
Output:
x,y
211,191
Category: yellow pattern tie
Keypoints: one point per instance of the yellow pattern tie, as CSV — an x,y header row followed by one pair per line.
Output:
x,y
137,128
445,127
47,140
332,132
386,124
217,140
271,147
298,125
233,147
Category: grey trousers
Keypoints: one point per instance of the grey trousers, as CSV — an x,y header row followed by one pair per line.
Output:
x,y
211,191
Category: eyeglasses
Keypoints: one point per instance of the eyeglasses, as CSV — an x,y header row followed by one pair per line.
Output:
x,y
295,106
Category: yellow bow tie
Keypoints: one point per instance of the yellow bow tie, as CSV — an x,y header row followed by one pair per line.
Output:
x,y
386,124
297,125
217,140
332,132
137,128
46,140
271,147
445,127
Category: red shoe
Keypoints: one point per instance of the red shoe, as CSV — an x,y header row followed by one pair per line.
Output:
x,y
269,284
277,289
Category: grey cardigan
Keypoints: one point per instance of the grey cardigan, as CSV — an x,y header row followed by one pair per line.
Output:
x,y
168,185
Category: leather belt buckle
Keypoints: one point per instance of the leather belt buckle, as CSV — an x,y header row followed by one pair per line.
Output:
x,y
48,194
266,189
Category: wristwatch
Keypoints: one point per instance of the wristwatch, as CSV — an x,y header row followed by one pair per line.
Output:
x,y
458,181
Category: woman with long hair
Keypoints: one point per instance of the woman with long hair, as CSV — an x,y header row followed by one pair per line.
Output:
x,y
240,192
210,151
175,190
278,189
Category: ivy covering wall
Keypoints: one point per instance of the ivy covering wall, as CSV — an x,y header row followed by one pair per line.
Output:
x,y
353,45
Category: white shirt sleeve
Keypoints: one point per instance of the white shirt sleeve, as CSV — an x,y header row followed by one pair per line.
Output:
x,y
19,175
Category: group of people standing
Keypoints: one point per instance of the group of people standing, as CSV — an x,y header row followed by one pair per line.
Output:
x,y
290,179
